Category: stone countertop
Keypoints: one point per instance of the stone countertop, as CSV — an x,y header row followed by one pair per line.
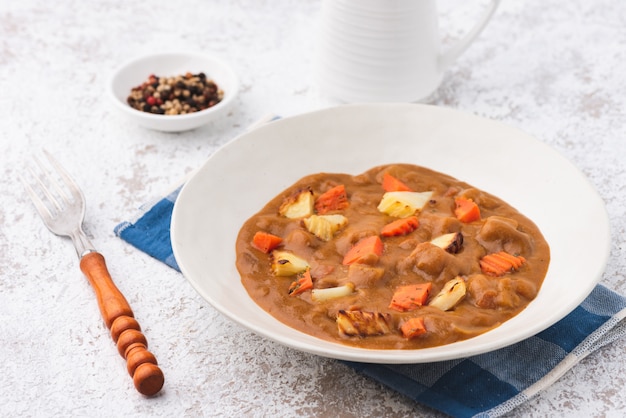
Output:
x,y
553,69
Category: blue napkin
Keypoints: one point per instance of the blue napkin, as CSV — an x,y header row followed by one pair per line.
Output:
x,y
149,231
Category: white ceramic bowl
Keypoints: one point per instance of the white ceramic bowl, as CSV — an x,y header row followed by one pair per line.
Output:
x,y
136,71
494,157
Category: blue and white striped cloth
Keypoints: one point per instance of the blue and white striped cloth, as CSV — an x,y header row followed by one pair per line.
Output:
x,y
486,385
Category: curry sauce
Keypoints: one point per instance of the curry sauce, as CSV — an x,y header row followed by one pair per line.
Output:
x,y
399,257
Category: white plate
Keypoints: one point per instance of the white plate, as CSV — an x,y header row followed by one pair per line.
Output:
x,y
169,64
240,178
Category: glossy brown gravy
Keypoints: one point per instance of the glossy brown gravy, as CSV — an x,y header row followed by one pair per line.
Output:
x,y
487,302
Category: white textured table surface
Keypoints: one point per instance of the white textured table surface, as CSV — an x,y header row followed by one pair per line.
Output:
x,y
551,68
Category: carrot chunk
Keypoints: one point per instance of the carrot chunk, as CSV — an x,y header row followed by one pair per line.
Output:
x,y
364,250
303,282
400,227
266,242
410,297
466,210
333,199
413,327
392,184
498,264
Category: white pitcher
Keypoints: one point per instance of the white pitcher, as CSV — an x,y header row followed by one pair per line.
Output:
x,y
385,50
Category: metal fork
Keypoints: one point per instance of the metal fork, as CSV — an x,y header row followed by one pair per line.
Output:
x,y
61,204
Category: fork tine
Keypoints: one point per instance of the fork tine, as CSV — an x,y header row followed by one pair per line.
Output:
x,y
75,191
45,190
43,210
56,197
52,181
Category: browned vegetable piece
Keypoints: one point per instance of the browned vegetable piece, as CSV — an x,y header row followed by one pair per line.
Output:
x,y
451,294
363,324
298,204
452,242
285,263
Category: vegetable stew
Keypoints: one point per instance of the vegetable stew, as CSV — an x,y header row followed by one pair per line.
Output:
x,y
399,257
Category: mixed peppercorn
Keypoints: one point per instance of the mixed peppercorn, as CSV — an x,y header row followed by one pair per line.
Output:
x,y
176,95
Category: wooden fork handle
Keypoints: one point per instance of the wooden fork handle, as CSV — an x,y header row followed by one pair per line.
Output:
x,y
125,330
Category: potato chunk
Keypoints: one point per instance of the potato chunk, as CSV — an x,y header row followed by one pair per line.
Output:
x,y
285,263
325,226
298,205
451,294
403,204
